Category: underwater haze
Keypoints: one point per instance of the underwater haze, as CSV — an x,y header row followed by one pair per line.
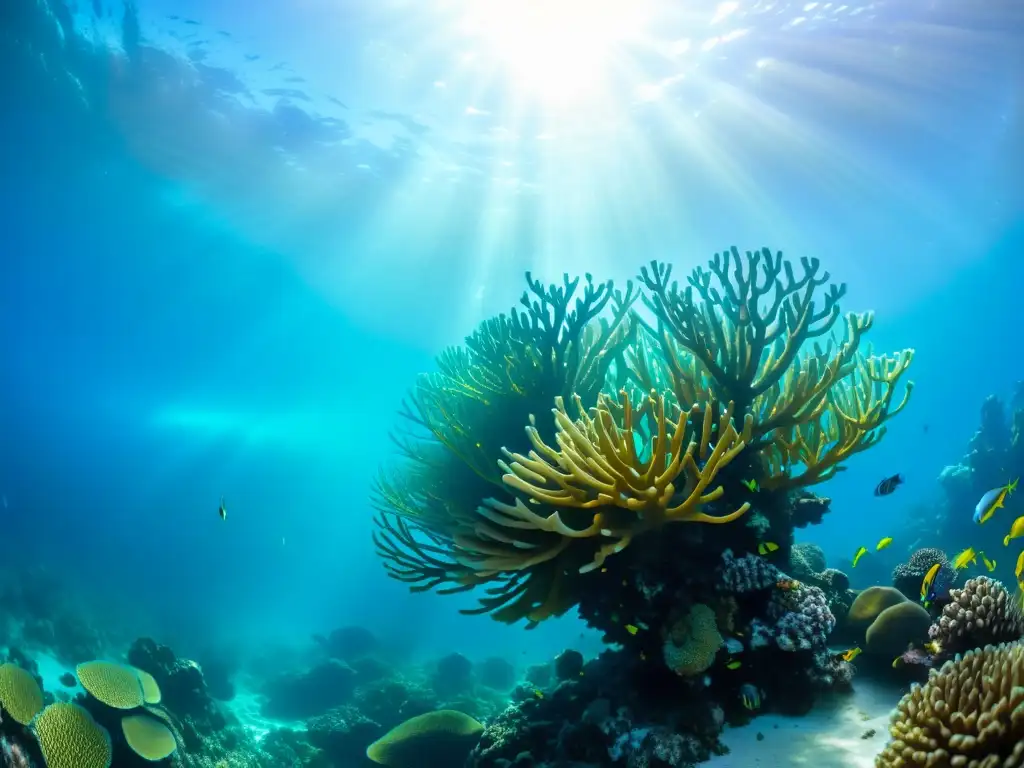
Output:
x,y
238,238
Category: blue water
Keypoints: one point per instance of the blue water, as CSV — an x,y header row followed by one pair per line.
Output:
x,y
232,235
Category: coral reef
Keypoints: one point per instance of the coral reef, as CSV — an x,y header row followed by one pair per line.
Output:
x,y
982,613
968,714
661,498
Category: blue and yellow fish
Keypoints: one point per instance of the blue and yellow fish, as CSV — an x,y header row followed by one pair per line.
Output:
x,y
750,696
992,501
928,585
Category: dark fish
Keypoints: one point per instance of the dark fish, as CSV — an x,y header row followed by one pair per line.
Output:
x,y
222,511
888,485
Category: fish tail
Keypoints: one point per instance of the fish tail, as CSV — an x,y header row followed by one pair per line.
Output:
x,y
1006,541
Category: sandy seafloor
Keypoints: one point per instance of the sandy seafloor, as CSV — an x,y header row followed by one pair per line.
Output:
x,y
830,736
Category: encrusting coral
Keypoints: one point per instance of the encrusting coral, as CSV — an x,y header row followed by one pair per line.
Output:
x,y
654,423
969,714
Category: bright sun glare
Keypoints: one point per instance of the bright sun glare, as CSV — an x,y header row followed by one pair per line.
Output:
x,y
558,50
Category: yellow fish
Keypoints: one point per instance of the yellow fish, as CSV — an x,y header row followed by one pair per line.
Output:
x,y
1019,569
990,564
734,664
1016,531
631,629
851,654
766,546
965,558
538,693
883,543
992,501
926,584
933,647
751,485
896,662
860,553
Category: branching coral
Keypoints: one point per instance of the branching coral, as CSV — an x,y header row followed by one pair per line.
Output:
x,y
646,417
970,713
738,332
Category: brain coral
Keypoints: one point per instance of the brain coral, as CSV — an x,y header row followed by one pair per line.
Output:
x,y
982,613
692,642
444,737
872,601
19,693
148,738
897,627
114,684
70,738
970,714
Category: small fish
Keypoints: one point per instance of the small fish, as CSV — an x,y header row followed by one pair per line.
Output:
x,y
897,662
883,543
851,654
604,570
787,585
992,501
766,547
1019,569
538,693
751,485
965,558
934,647
222,510
989,564
928,585
858,555
750,696
888,485
631,628
1016,531
734,664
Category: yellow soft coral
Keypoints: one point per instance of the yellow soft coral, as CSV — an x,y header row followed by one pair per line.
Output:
x,y
598,467
571,508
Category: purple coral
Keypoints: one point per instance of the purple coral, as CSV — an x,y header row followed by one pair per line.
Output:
x,y
803,621
749,573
